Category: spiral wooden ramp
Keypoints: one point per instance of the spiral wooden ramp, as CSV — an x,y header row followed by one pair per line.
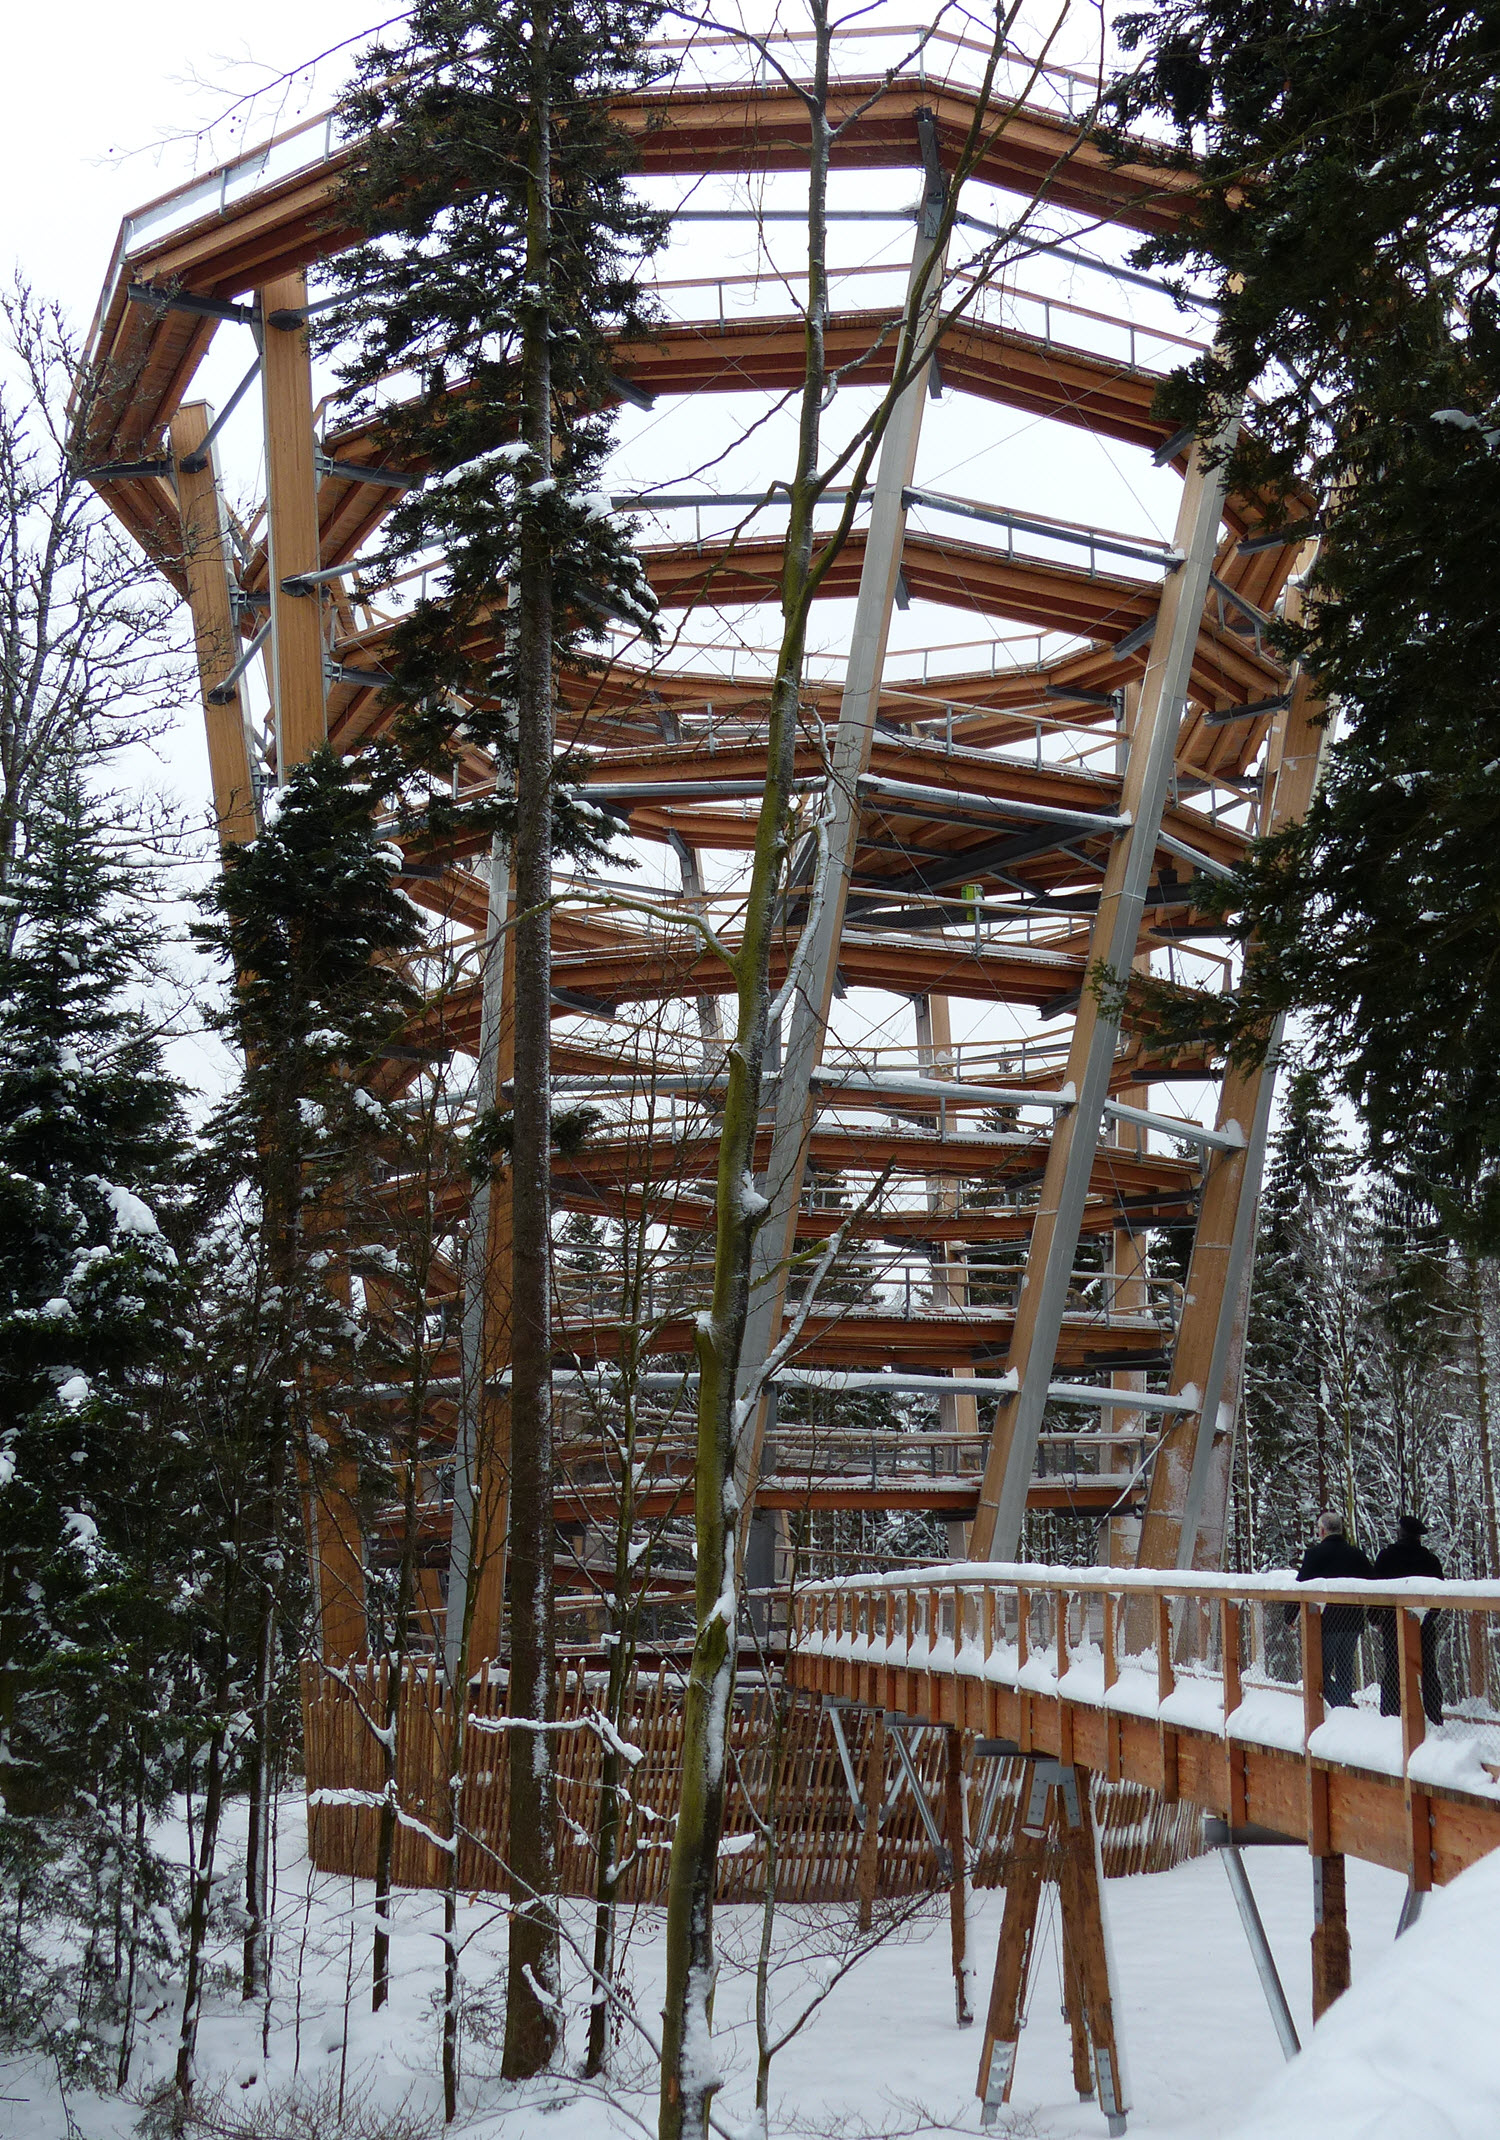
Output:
x,y
1010,830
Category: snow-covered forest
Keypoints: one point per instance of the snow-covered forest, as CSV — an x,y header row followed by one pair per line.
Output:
x,y
399,1568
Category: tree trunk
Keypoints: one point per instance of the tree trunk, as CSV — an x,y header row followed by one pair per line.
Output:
x,y
395,1681
200,1891
532,2014
687,2079
1482,1392
612,1767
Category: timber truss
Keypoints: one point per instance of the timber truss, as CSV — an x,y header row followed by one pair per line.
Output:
x,y
1001,832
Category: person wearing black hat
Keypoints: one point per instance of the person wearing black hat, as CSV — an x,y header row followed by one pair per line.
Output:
x,y
1406,1556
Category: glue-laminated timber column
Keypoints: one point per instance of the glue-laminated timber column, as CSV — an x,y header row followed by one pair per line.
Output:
x,y
330,1504
1113,942
292,521
216,639
956,1415
300,727
1210,1340
880,571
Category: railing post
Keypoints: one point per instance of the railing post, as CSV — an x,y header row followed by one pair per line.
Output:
x,y
1064,1713
1166,1681
1234,1761
1311,1621
1413,1731
1024,1737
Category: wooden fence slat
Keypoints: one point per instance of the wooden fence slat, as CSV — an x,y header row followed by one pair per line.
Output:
x,y
818,1836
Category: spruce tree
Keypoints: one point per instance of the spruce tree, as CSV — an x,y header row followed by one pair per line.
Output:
x,y
504,246
95,1477
1348,229
317,937
1306,1383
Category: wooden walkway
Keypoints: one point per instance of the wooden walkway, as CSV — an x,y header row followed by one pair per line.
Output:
x,y
1193,1686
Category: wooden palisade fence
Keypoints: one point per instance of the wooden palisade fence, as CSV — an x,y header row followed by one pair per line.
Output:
x,y
819,1830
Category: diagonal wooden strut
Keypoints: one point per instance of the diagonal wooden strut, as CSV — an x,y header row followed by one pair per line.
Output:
x,y
1056,1838
1112,948
1184,1516
216,638
880,572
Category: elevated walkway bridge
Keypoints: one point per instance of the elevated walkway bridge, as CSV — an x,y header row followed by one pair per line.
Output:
x,y
1204,1687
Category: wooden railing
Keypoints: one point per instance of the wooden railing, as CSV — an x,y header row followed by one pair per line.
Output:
x,y
1210,1687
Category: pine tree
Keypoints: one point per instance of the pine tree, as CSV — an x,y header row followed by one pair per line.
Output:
x,y
503,287
95,1479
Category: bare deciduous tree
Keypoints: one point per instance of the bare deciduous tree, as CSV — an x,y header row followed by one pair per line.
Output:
x,y
91,647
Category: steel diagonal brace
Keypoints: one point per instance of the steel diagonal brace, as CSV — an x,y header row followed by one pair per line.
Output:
x,y
908,1769
834,1713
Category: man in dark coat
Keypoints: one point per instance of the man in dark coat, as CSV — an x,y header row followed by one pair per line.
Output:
x,y
1406,1555
1331,1559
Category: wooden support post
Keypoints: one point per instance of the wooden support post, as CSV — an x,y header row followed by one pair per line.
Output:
x,y
1166,1681
1002,2028
869,1845
1082,1896
1057,1821
1236,1810
1075,2012
216,638
1113,943
335,1552
292,523
1179,1531
956,1829
1330,1936
1413,1731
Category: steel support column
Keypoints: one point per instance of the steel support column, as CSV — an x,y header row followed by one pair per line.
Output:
x,y
1112,945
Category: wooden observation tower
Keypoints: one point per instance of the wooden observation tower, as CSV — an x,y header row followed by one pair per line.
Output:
x,y
1043,730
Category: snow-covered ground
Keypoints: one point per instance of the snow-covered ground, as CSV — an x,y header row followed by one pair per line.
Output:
x,y
882,2055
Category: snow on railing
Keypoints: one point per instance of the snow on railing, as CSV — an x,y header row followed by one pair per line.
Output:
x,y
1409,1683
